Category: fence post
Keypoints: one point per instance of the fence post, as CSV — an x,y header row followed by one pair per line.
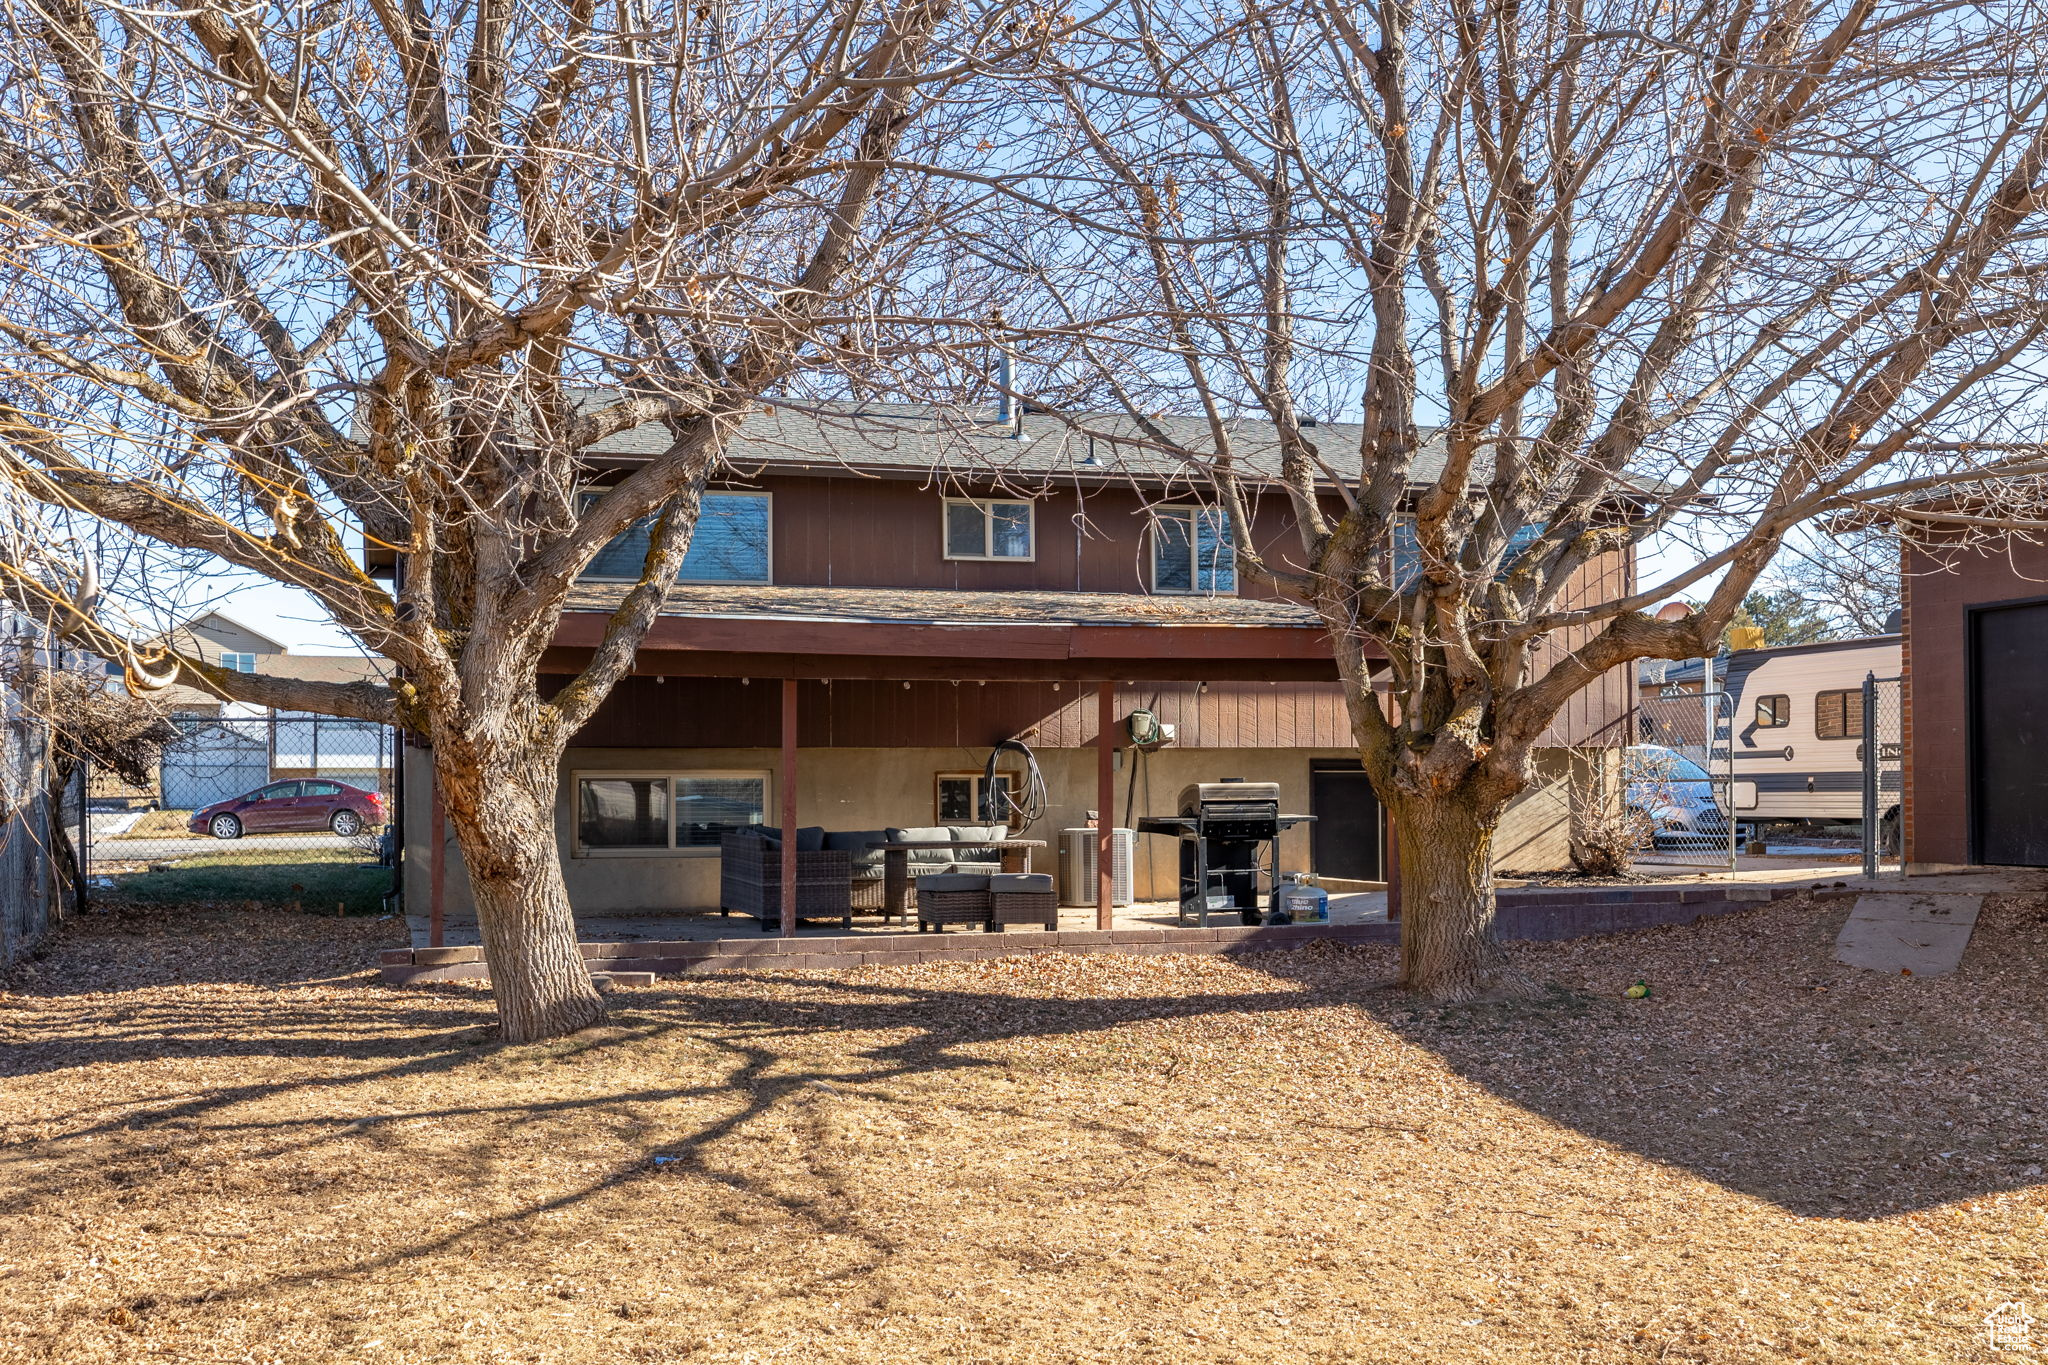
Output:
x,y
82,855
1870,766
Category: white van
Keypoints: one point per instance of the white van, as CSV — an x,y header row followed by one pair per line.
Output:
x,y
1798,730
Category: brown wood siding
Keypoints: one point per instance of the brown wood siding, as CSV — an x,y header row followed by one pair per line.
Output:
x,y
690,713
851,531
848,531
1599,714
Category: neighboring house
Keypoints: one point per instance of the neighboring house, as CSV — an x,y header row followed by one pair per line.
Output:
x,y
222,640
934,584
231,747
1975,662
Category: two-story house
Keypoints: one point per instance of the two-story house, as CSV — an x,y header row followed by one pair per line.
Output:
x,y
875,597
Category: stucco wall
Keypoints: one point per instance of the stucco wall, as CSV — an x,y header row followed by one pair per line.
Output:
x,y
875,788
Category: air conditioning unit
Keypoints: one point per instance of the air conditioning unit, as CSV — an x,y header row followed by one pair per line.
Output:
x,y
1077,866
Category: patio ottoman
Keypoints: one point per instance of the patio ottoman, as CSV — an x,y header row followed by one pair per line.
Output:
x,y
945,898
1023,898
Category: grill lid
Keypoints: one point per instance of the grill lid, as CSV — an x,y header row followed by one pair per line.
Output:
x,y
1210,798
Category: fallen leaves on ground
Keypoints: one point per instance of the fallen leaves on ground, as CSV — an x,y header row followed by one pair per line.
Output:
x,y
222,1140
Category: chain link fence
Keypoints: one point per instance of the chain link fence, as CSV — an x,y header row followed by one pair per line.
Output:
x,y
293,809
1882,752
1677,779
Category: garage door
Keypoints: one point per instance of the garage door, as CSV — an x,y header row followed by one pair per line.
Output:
x,y
2009,734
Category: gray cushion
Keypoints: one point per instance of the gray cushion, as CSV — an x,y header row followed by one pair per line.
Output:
x,y
810,839
972,849
953,881
1020,881
980,869
924,834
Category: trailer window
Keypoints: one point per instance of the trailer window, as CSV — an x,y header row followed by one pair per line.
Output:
x,y
1773,712
1838,715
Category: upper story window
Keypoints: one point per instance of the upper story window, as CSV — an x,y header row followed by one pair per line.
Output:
x,y
731,542
1408,551
1191,550
988,529
238,663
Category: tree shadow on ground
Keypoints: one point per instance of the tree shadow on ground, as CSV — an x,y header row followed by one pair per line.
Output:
x,y
1761,1064
1777,1075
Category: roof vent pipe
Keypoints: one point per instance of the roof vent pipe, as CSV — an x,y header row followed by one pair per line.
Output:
x,y
1003,388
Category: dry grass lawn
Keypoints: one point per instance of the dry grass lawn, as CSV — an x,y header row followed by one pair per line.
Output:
x,y
222,1141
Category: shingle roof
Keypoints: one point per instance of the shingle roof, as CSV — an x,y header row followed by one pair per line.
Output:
x,y
334,668
970,442
928,606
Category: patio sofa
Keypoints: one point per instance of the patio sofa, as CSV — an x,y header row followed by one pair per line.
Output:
x,y
840,871
964,854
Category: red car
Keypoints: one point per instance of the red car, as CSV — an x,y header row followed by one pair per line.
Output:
x,y
302,804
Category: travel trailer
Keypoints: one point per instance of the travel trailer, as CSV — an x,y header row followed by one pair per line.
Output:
x,y
1798,730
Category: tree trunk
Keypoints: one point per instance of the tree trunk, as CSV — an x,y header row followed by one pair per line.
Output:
x,y
503,810
1449,948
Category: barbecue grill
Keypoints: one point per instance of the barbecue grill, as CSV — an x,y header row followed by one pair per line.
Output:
x,y
1229,832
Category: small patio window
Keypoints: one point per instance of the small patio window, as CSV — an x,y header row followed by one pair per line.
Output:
x,y
1838,715
956,797
658,812
1773,712
1191,551
730,543
978,529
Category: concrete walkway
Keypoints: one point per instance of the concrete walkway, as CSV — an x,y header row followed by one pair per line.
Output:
x,y
1358,907
1910,933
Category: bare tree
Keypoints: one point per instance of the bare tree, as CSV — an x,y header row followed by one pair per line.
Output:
x,y
1592,271
283,276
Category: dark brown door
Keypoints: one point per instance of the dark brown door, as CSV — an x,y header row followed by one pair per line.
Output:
x,y
1345,839
2009,734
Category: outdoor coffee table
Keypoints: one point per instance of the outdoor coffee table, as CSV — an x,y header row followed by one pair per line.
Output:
x,y
896,865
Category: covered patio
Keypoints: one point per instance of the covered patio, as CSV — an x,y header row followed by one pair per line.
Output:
x,y
838,680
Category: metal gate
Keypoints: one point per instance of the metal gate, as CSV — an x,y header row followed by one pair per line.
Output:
x,y
1679,779
1883,755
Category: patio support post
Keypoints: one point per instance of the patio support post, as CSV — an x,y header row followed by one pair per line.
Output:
x,y
788,807
1105,804
437,857
1392,872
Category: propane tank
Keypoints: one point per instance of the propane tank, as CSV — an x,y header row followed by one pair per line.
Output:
x,y
1302,903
